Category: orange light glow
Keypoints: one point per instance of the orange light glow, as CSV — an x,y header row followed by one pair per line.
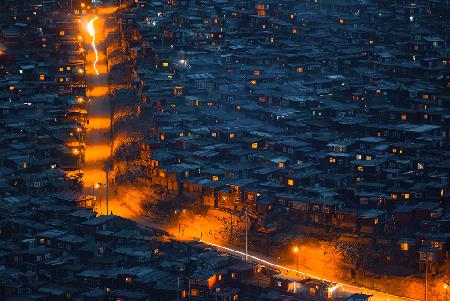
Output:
x,y
93,176
97,152
98,91
107,10
98,123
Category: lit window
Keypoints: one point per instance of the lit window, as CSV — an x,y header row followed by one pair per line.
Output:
x,y
61,69
195,292
404,116
215,178
254,145
294,30
214,134
368,158
292,16
256,72
360,168
404,246
68,68
420,166
341,21
162,174
128,280
253,82
425,116
11,88
41,76
61,33
231,136
394,196
281,164
161,137
165,64
407,195
299,69
394,150
332,160
290,182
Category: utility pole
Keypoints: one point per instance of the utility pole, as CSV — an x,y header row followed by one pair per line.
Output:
x,y
178,288
231,226
107,191
246,236
426,277
189,288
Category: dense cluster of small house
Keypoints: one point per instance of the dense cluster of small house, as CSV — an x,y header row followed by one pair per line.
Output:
x,y
52,244
333,112
52,249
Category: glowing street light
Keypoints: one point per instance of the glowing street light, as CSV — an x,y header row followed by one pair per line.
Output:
x,y
178,212
446,285
296,251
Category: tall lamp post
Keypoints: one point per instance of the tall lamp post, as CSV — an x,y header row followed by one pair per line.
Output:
x,y
446,285
94,187
296,251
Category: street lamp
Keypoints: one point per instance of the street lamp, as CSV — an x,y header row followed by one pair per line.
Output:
x,y
446,285
94,187
178,212
296,251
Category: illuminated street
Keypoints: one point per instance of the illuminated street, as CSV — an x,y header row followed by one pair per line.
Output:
x,y
202,227
98,130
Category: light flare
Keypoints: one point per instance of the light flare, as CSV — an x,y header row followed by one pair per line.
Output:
x,y
307,275
91,32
